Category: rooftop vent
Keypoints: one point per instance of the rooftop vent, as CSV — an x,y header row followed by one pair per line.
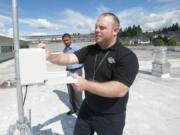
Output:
x,y
8,84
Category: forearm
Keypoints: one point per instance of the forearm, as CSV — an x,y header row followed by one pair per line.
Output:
x,y
107,89
61,58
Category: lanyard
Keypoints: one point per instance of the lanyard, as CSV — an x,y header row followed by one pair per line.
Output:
x,y
100,63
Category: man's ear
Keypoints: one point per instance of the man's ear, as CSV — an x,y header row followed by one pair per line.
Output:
x,y
116,30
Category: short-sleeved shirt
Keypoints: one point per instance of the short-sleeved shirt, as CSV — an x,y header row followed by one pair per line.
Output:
x,y
71,49
119,64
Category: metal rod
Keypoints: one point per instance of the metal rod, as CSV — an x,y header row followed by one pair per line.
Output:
x,y
16,48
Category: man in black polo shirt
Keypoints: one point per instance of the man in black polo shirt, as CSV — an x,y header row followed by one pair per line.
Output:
x,y
110,70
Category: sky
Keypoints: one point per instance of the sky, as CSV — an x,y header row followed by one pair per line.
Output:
x,y
47,17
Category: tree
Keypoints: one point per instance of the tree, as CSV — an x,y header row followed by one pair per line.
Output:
x,y
172,42
130,31
165,39
150,36
139,30
158,42
174,27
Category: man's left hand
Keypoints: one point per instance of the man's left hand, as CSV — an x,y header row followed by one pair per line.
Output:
x,y
80,84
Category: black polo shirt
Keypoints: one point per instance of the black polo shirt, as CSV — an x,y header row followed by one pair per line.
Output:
x,y
119,64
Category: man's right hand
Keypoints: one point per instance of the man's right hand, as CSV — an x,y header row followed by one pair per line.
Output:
x,y
44,46
59,58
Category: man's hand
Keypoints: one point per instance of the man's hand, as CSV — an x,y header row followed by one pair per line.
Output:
x,y
80,85
44,46
105,89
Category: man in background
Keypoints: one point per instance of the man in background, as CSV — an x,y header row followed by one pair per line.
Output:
x,y
75,97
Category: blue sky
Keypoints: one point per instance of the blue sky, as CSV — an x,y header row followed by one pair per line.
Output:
x,y
37,17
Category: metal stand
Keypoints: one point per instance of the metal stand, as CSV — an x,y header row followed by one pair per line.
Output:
x,y
22,124
25,127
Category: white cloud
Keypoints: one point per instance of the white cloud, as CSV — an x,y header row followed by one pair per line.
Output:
x,y
165,1
128,17
73,21
102,9
40,23
4,20
2,28
148,21
39,33
163,19
6,24
78,21
10,31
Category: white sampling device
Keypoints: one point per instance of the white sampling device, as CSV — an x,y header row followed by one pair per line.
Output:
x,y
33,69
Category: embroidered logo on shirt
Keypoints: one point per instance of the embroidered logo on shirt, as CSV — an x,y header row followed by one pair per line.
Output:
x,y
111,60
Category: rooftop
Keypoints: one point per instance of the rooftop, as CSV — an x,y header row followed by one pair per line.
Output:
x,y
152,108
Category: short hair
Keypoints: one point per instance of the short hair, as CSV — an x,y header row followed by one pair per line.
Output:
x,y
115,18
66,35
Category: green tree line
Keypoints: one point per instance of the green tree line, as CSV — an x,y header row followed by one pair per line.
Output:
x,y
175,27
134,30
130,31
137,30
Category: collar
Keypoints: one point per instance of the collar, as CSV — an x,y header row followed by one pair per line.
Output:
x,y
70,47
112,48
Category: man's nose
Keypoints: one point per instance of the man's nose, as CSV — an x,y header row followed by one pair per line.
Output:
x,y
97,29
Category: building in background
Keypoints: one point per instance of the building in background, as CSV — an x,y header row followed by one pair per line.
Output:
x,y
7,47
55,43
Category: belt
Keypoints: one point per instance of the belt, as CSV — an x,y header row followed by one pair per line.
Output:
x,y
74,69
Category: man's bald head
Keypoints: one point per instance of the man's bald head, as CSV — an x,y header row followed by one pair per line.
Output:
x,y
115,18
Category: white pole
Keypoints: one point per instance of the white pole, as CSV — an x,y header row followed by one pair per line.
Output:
x,y
16,48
